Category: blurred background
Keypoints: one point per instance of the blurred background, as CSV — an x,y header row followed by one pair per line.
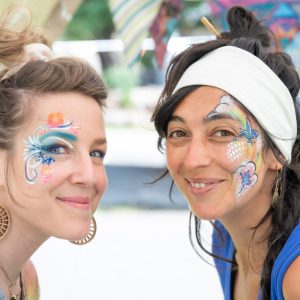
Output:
x,y
142,249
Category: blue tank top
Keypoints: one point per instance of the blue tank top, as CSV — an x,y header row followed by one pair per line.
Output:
x,y
223,246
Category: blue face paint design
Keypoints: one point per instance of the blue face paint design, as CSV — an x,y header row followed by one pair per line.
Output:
x,y
38,150
58,134
246,177
248,133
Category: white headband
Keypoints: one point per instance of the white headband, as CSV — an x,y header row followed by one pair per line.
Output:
x,y
33,51
254,84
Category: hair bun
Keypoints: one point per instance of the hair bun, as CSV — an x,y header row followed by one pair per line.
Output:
x,y
243,23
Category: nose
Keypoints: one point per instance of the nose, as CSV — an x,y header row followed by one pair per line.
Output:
x,y
197,154
87,173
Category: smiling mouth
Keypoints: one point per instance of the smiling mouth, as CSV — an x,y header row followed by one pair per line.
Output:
x,y
76,201
201,186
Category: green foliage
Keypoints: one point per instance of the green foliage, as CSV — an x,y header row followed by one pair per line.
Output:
x,y
92,20
123,79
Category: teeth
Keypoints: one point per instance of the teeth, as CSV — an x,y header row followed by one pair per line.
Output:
x,y
198,185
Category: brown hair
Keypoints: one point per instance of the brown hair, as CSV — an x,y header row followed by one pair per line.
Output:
x,y
17,91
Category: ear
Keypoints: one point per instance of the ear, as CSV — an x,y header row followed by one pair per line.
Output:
x,y
3,162
272,161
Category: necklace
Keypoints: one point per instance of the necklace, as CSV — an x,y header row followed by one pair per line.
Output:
x,y
14,289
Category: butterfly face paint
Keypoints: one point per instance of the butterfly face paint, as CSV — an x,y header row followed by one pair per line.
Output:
x,y
47,143
248,143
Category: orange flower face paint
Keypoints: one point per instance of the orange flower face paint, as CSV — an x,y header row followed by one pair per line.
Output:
x,y
55,120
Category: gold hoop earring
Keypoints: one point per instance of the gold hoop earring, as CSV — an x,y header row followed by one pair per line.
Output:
x,y
4,222
90,236
277,190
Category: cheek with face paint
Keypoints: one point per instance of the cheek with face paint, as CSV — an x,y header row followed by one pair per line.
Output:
x,y
246,174
42,147
236,149
244,151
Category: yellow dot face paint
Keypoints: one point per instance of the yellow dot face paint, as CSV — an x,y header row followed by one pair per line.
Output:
x,y
46,145
246,146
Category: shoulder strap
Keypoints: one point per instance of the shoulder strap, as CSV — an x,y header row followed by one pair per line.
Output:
x,y
30,282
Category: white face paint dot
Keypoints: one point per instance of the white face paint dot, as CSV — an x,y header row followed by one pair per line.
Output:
x,y
235,149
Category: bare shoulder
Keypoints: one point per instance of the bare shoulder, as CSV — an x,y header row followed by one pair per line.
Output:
x,y
290,284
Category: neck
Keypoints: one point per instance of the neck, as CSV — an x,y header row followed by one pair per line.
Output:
x,y
17,247
250,244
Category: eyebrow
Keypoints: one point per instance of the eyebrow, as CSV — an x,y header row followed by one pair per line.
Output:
x,y
59,134
100,141
176,119
218,116
210,117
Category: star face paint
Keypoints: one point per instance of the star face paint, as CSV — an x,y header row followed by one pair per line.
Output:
x,y
45,144
248,142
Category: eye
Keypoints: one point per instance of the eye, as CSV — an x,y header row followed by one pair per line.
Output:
x,y
176,134
98,154
56,149
223,133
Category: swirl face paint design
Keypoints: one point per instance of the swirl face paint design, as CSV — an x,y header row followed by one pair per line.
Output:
x,y
43,145
248,142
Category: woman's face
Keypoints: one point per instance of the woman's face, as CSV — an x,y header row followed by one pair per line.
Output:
x,y
214,153
55,171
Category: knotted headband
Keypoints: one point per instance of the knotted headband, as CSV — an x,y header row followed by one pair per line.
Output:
x,y
254,84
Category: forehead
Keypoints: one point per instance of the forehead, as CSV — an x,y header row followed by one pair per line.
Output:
x,y
206,99
71,105
80,110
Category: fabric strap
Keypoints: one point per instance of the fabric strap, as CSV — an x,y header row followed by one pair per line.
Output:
x,y
30,282
254,84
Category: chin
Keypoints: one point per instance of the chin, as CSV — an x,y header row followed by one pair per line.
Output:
x,y
76,231
207,213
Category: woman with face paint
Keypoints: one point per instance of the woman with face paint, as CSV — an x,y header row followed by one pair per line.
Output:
x,y
228,123
52,145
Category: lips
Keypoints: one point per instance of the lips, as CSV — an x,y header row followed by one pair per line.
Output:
x,y
202,185
76,201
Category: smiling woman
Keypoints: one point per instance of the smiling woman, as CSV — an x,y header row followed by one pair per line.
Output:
x,y
230,127
51,157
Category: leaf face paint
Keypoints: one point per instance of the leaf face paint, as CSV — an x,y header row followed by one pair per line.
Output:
x,y
44,145
248,142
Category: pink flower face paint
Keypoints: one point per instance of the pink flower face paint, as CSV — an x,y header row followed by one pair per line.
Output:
x,y
247,143
46,144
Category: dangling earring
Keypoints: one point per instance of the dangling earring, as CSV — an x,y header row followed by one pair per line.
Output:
x,y
277,190
4,222
91,234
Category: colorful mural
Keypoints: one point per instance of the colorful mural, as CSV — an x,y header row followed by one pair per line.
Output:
x,y
282,17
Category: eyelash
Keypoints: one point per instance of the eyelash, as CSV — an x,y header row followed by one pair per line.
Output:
x,y
172,133
100,156
228,133
51,149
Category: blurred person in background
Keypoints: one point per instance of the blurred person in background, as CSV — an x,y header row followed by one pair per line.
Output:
x,y
52,145
230,128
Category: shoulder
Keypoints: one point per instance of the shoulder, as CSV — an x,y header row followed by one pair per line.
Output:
x,y
290,284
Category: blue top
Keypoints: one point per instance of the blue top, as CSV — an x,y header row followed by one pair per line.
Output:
x,y
224,247
2,297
